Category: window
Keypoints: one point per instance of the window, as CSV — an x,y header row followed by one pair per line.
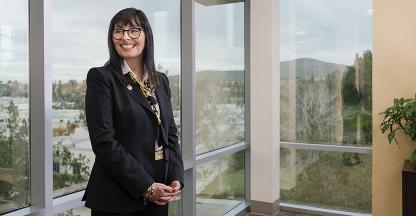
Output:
x,y
326,70
77,43
14,107
219,105
220,185
219,61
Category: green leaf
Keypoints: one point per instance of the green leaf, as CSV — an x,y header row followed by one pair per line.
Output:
x,y
391,136
384,127
413,158
400,116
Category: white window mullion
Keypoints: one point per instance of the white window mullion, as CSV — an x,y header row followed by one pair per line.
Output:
x,y
41,177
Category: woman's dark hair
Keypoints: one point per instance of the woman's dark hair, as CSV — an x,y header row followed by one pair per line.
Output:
x,y
133,16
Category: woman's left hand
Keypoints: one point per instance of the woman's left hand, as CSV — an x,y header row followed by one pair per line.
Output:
x,y
176,187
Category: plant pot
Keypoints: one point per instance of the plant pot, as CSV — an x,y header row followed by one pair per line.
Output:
x,y
409,189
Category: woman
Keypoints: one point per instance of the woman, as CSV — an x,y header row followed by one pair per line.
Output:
x,y
138,168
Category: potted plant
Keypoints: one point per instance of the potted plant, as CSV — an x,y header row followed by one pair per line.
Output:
x,y
401,117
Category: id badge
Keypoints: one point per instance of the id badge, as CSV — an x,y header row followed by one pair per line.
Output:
x,y
159,155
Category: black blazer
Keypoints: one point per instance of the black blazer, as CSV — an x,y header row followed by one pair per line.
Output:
x,y
123,131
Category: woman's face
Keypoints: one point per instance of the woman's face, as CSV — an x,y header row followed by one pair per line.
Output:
x,y
127,47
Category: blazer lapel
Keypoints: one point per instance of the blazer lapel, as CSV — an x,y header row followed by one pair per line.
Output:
x,y
136,93
162,105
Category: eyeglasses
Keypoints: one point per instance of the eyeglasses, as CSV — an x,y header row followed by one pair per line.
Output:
x,y
133,33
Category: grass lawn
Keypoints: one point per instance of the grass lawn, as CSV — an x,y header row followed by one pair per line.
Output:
x,y
233,185
328,182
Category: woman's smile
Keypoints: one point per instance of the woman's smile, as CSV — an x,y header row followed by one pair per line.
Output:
x,y
127,46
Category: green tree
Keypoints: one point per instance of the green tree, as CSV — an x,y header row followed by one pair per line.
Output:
x,y
61,156
350,94
82,119
59,95
5,89
5,152
63,161
21,157
357,100
236,161
12,120
18,149
366,67
79,165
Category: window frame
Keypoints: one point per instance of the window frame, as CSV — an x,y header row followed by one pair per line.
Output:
x,y
42,201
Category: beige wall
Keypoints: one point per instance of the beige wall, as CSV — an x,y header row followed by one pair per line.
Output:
x,y
394,75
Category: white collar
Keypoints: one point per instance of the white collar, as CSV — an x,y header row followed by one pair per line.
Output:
x,y
125,68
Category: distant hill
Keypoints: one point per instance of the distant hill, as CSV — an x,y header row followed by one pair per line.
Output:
x,y
307,67
234,75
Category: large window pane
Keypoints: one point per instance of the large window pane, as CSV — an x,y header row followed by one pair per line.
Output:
x,y
79,43
336,180
14,106
325,98
219,61
326,70
220,185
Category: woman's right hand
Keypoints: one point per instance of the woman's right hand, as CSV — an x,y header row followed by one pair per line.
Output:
x,y
162,194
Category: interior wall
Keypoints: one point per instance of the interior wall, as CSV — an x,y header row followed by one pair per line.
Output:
x,y
394,75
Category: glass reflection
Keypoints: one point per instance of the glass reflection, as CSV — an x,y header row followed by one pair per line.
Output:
x,y
219,61
220,185
14,107
326,72
335,180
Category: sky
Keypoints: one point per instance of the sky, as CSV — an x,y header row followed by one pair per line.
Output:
x,y
13,41
329,30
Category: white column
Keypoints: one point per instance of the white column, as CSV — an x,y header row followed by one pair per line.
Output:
x,y
265,106
41,172
188,105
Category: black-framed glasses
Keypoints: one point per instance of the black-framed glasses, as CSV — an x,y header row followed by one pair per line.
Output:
x,y
133,33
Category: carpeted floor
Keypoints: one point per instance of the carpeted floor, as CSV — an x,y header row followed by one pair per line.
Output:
x,y
282,213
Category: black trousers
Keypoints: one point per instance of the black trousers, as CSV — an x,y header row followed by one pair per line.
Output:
x,y
151,209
